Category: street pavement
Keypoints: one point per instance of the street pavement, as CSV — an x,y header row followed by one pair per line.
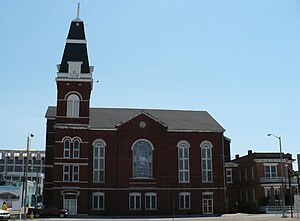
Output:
x,y
227,217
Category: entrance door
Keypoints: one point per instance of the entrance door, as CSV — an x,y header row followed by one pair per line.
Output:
x,y
70,203
207,203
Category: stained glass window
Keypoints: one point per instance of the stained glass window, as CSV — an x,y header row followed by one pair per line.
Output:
x,y
142,159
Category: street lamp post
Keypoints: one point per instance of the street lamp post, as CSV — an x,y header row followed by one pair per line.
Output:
x,y
26,171
282,175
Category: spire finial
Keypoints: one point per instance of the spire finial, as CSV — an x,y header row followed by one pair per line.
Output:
x,y
78,10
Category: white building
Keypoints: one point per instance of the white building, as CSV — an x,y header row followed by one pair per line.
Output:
x,y
13,164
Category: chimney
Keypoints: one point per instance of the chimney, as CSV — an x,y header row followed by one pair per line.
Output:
x,y
249,152
237,156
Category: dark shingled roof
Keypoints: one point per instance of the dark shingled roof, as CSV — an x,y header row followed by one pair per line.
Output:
x,y
75,51
108,118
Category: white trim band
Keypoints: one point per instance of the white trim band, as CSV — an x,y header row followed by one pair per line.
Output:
x,y
76,41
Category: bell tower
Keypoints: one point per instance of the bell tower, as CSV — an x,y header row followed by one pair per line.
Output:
x,y
74,78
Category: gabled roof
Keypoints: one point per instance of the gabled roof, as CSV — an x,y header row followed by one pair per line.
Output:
x,y
175,120
139,113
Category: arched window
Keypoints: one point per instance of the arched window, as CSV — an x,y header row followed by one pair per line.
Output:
x,y
76,148
99,160
142,159
183,162
67,148
206,160
73,102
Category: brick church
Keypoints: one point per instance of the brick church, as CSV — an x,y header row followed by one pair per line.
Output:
x,y
121,161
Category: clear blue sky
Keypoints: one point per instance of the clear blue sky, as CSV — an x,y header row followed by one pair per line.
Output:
x,y
238,60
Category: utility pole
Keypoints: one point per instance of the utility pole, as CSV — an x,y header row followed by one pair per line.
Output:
x,y
26,172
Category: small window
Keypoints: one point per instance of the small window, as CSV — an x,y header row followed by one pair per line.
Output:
x,y
75,173
98,201
151,201
66,148
184,200
134,201
229,175
76,148
66,175
270,172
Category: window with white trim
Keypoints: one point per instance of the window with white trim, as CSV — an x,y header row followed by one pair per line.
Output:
x,y
73,102
270,171
150,201
184,200
229,175
98,201
66,173
252,172
142,159
76,148
99,161
246,174
135,201
206,159
183,162
67,143
75,172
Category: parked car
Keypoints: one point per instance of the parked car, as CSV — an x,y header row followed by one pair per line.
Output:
x,y
4,214
48,212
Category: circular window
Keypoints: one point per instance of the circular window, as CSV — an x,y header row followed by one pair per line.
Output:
x,y
142,124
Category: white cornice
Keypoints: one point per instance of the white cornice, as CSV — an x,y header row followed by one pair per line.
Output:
x,y
274,160
82,78
74,127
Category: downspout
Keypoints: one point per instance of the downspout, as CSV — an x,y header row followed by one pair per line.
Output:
x,y
117,171
168,172
224,174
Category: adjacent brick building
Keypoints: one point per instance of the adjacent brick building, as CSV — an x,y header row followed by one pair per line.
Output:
x,y
119,161
259,180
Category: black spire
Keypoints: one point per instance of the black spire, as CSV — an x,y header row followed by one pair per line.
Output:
x,y
75,49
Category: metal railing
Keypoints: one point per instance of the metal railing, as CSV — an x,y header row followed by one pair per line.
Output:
x,y
277,180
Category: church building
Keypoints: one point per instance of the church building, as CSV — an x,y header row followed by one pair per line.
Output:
x,y
127,162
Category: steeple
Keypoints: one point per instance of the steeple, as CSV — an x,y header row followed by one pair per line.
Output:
x,y
75,56
74,78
